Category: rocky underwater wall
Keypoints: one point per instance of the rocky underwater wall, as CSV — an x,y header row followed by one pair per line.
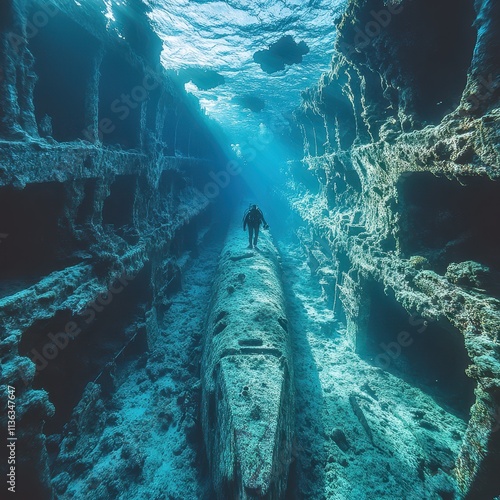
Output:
x,y
399,186
103,163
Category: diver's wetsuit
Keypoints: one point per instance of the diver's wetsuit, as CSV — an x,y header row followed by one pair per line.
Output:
x,y
253,219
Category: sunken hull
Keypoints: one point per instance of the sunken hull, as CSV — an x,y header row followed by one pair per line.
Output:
x,y
247,382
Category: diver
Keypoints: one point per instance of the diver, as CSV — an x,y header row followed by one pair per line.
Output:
x,y
253,218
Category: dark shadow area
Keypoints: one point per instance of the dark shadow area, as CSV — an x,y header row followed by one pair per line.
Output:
x,y
65,365
446,221
436,53
306,177
5,119
413,58
34,244
286,51
185,240
86,208
122,91
63,54
487,482
119,205
171,184
423,353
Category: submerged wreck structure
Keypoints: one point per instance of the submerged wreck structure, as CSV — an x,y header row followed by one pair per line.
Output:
x,y
401,161
148,353
247,374
101,205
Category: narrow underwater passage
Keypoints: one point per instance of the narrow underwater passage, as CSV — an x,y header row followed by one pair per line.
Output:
x,y
143,435
152,346
360,430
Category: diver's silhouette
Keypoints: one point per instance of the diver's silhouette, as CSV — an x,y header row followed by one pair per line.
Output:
x,y
253,218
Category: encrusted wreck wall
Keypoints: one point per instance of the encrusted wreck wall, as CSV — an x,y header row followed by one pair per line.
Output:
x,y
401,165
103,164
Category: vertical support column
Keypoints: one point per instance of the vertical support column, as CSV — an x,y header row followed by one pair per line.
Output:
x,y
102,191
91,131
17,78
6,74
15,72
26,77
74,196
